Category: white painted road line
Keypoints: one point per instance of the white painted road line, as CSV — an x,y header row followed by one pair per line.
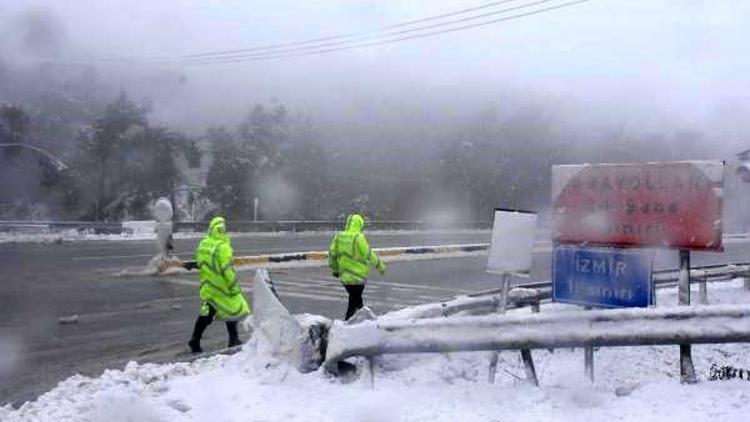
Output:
x,y
370,283
325,290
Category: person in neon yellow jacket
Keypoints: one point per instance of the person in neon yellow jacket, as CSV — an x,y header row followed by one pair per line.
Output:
x,y
220,293
350,258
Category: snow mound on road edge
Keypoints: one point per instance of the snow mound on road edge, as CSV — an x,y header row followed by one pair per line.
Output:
x,y
420,388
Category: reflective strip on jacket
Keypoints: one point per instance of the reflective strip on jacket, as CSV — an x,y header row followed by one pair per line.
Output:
x,y
349,253
219,286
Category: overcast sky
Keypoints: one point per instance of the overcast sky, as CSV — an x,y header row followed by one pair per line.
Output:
x,y
634,63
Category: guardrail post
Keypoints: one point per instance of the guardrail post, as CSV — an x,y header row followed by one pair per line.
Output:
x,y
371,366
703,290
528,360
588,362
528,365
503,306
588,359
687,371
506,291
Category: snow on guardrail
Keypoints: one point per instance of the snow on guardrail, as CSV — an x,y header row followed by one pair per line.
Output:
x,y
620,327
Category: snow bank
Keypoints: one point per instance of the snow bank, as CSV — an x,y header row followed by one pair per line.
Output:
x,y
632,384
71,235
432,388
139,228
279,336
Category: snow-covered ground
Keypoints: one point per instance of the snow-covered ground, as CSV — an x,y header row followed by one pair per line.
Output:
x,y
632,384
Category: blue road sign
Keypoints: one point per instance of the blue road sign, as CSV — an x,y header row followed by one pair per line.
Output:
x,y
603,277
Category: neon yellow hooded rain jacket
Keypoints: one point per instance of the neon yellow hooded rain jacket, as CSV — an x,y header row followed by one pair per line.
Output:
x,y
219,287
349,254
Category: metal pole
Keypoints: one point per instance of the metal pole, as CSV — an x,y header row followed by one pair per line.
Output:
x,y
255,209
503,306
703,291
687,371
528,364
528,360
371,364
588,359
506,290
493,367
683,278
588,362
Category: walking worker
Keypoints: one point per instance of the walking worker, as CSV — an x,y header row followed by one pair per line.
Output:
x,y
220,293
350,258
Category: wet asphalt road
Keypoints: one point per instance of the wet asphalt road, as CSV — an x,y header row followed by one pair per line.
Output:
x,y
149,319
123,318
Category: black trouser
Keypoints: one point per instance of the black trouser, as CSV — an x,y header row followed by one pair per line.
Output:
x,y
204,321
355,298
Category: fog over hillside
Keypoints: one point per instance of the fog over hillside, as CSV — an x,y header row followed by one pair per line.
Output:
x,y
462,121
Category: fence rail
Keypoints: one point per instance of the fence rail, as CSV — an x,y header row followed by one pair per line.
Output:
x,y
424,328
58,226
621,327
532,294
234,226
662,278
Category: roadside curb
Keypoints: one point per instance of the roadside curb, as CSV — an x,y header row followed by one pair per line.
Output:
x,y
299,257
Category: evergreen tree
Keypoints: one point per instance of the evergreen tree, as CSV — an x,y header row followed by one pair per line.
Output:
x,y
124,164
230,176
272,156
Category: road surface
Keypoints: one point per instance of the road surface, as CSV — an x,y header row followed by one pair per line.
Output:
x,y
149,319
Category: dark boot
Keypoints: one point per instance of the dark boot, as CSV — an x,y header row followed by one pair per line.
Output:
x,y
200,326
355,298
234,338
195,345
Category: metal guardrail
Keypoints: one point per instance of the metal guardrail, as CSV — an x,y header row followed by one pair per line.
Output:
x,y
518,297
620,327
235,226
532,294
662,278
57,226
306,226
705,272
425,328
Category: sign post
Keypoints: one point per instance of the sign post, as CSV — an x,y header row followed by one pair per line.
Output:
x,y
511,251
687,371
588,360
602,277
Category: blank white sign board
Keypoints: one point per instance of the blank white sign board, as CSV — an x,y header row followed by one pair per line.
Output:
x,y
512,242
